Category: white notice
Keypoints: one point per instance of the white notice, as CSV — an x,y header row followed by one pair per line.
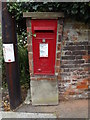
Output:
x,y
8,52
43,50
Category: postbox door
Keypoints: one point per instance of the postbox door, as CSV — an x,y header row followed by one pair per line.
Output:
x,y
44,46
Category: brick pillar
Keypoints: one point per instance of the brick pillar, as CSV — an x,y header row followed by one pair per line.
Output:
x,y
44,88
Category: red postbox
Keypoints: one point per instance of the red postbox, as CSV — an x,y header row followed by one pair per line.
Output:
x,y
44,34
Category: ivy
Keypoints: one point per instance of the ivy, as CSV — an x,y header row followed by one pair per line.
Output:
x,y
75,10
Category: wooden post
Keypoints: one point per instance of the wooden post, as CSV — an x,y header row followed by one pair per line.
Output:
x,y
12,71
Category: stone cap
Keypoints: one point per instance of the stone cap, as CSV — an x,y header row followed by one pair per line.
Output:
x,y
43,15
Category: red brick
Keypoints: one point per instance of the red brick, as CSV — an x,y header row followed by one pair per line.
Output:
x,y
82,87
59,37
57,62
58,70
85,81
58,55
33,78
86,69
28,29
30,56
59,47
30,68
63,42
65,35
28,40
86,57
29,48
60,29
71,93
59,77
52,78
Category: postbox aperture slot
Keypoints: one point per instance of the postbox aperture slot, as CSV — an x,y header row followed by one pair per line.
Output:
x,y
44,31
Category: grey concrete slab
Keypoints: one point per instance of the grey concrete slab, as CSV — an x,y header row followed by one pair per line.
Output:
x,y
25,115
65,109
44,92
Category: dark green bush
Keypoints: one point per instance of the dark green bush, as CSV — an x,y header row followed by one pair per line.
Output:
x,y
74,10
23,61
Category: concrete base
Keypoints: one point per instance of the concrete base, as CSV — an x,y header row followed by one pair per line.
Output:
x,y
44,92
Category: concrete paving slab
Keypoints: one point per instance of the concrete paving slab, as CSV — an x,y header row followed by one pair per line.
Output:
x,y
66,109
25,115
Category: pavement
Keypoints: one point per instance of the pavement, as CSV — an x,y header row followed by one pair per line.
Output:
x,y
25,115
66,109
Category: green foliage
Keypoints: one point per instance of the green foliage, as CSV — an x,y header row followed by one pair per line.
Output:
x,y
23,61
78,10
74,10
4,82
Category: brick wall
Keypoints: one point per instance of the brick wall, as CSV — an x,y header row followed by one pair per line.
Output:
x,y
74,61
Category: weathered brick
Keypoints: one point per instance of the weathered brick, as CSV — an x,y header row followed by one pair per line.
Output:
x,y
69,57
59,77
58,55
57,69
78,62
33,78
87,47
82,87
59,47
42,78
86,57
28,29
65,74
66,70
65,35
29,48
85,65
72,93
57,62
86,68
30,67
79,52
64,62
83,43
52,78
59,37
68,53
30,56
68,66
29,40
78,57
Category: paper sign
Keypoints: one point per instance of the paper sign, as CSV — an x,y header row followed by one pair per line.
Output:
x,y
43,50
8,52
